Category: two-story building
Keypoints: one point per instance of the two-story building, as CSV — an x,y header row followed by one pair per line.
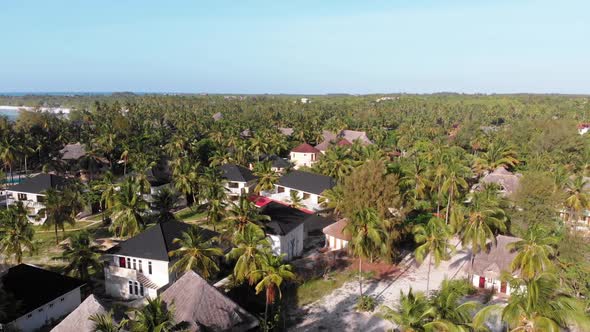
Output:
x,y
304,155
285,229
31,192
140,266
39,297
308,186
239,180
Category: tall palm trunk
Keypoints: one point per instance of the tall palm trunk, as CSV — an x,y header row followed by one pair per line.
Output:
x,y
361,276
266,309
56,238
438,201
449,205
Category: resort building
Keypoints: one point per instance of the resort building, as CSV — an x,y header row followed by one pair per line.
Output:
x,y
43,296
31,193
304,155
308,186
488,266
239,180
140,266
342,138
204,308
285,229
336,238
506,180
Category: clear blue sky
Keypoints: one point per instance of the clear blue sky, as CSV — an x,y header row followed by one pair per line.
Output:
x,y
295,46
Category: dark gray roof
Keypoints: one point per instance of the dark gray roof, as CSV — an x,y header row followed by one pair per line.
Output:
x,y
156,241
236,173
307,182
32,287
315,222
39,183
204,307
283,218
276,161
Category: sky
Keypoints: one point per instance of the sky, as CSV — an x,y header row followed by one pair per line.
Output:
x,y
303,47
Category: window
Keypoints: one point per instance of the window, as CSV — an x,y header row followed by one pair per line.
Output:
x,y
51,305
122,262
141,289
40,310
128,262
150,267
280,189
130,287
29,315
62,299
136,287
306,195
134,264
40,199
140,266
234,185
22,197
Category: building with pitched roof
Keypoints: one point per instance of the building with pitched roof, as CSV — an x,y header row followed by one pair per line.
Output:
x,y
304,155
79,319
285,229
239,180
342,138
336,238
506,180
40,297
140,266
489,265
204,308
308,186
31,193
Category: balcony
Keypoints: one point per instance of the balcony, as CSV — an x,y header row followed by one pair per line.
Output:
x,y
129,274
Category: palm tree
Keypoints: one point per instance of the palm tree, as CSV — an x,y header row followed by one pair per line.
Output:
x,y
106,323
128,208
496,155
577,198
82,255
433,240
484,218
266,177
164,202
534,253
537,305
451,312
185,176
334,199
16,232
108,190
415,177
367,237
336,163
295,199
455,174
8,151
156,316
258,146
196,254
61,208
248,250
273,273
243,213
412,313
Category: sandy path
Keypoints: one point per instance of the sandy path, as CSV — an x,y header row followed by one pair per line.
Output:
x,y
336,311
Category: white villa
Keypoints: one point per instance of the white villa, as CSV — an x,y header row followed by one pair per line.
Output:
x,y
489,266
140,266
304,155
240,180
43,296
336,239
31,192
285,229
308,186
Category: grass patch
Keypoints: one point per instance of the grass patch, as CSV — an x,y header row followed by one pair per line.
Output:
x,y
68,227
314,289
190,215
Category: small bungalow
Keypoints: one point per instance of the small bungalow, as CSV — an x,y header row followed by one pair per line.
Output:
x,y
43,297
79,319
336,239
285,229
506,180
308,186
277,164
489,266
204,308
240,180
304,155
31,192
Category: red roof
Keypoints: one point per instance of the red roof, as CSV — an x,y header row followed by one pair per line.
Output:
x,y
584,125
261,201
305,148
343,142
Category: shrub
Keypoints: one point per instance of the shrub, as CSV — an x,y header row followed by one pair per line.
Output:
x,y
366,303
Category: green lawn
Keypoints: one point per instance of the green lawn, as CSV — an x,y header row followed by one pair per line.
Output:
x,y
190,215
314,289
68,227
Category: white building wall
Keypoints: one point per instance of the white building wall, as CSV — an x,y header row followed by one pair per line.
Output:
x,y
49,312
31,203
495,284
334,243
300,159
117,278
291,244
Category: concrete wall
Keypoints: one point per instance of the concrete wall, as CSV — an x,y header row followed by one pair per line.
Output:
x,y
291,244
335,244
240,188
300,159
495,284
31,203
117,278
51,311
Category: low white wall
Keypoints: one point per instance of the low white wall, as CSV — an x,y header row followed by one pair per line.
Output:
x,y
53,310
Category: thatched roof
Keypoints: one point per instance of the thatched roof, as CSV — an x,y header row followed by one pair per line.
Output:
x,y
204,307
507,181
79,319
496,260
73,151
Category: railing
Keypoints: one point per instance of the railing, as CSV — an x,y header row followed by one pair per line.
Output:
x,y
113,270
